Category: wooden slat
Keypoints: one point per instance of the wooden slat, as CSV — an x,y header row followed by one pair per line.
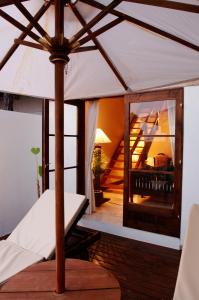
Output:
x,y
169,4
99,46
22,36
69,295
145,271
85,281
144,25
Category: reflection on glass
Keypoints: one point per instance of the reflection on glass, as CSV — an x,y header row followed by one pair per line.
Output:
x,y
152,153
149,118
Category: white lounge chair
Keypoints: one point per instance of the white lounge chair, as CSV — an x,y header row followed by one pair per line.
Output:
x,y
187,285
34,237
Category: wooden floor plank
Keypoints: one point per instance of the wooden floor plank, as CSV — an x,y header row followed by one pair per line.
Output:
x,y
70,295
84,281
144,271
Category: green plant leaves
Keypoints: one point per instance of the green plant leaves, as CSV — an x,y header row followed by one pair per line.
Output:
x,y
40,170
35,151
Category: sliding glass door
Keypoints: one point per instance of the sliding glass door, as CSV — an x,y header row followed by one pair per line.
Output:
x,y
73,146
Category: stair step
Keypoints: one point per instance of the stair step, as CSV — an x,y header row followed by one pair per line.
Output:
x,y
116,176
119,161
117,168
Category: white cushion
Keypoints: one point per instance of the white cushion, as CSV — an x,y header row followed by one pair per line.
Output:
x,y
14,259
36,231
187,285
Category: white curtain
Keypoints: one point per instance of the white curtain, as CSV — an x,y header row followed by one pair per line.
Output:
x,y
92,108
171,119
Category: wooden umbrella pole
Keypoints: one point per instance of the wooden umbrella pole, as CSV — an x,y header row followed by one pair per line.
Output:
x,y
59,56
59,174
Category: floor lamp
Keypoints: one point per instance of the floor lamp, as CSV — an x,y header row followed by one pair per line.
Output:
x,y
98,168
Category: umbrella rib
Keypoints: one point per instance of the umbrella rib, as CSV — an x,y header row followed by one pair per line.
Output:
x,y
100,31
96,19
8,2
31,19
144,25
168,4
99,46
23,35
21,27
29,44
84,49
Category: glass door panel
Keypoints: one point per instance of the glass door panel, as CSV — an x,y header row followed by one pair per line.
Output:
x,y
152,175
74,146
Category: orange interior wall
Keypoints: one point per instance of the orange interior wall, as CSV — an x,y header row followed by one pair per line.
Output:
x,y
111,121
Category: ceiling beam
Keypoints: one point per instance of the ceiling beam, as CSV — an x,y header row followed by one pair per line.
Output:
x,y
144,25
31,19
8,2
169,4
105,11
23,35
99,46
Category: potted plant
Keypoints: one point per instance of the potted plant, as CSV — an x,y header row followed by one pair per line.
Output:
x,y
98,168
35,151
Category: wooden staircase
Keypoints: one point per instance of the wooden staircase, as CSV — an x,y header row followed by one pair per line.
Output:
x,y
112,180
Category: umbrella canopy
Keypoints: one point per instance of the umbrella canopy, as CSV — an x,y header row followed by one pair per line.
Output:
x,y
146,47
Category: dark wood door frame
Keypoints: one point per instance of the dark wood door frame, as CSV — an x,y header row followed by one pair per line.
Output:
x,y
169,94
80,144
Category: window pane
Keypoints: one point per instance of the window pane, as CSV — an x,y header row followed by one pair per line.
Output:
x,y
70,119
70,152
152,118
70,182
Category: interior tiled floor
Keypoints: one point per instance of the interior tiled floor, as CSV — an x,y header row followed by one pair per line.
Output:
x,y
110,211
109,218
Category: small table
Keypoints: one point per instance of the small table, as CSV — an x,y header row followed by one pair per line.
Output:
x,y
84,281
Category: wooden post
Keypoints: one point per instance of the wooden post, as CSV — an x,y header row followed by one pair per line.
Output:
x,y
59,56
45,145
59,174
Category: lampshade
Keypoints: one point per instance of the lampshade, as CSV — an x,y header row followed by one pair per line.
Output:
x,y
101,137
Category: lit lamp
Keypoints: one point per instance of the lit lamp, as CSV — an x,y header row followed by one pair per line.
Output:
x,y
97,162
101,137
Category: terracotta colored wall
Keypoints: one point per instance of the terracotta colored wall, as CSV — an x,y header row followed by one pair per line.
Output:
x,y
111,121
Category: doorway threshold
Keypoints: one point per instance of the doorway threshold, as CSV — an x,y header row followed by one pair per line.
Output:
x,y
108,218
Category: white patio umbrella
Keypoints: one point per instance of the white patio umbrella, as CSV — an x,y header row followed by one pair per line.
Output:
x,y
143,58
132,44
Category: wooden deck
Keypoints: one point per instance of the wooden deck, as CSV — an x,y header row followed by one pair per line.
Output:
x,y
84,281
144,271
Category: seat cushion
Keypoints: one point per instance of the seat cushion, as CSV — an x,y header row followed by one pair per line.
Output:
x,y
14,259
187,286
36,231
